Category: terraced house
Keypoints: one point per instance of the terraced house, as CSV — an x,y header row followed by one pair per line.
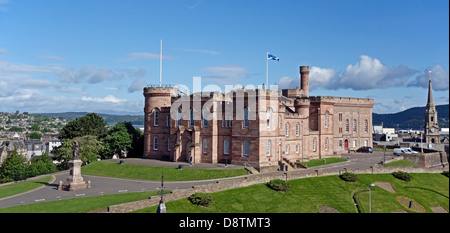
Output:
x,y
267,129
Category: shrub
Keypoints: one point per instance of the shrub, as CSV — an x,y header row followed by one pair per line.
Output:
x,y
402,176
203,199
445,173
349,177
279,185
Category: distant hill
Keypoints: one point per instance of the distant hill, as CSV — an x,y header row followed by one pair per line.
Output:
x,y
110,119
413,118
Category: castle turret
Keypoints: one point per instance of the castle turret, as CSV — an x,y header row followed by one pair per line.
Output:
x,y
304,76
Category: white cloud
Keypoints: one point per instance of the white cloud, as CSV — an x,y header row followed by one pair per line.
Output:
x,y
226,74
439,78
108,98
137,85
145,55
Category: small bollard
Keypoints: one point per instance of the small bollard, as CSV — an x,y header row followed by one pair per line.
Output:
x,y
410,204
180,167
121,162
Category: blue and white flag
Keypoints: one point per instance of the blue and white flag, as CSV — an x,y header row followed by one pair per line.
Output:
x,y
272,57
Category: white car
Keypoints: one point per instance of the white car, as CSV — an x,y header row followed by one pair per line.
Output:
x,y
404,150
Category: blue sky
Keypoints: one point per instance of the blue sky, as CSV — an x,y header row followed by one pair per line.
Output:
x,y
96,55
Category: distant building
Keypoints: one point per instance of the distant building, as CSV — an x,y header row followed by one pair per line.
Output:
x,y
431,129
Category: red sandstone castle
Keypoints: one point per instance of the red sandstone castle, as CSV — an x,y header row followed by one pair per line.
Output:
x,y
266,129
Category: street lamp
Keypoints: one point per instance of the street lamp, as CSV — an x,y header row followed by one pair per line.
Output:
x,y
370,201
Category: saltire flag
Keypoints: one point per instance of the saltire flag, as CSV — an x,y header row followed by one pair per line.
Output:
x,y
272,57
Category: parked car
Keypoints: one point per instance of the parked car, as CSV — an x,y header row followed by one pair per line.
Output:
x,y
404,150
365,149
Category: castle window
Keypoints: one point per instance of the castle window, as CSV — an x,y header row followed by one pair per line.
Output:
x,y
167,121
226,147
432,119
204,145
279,122
287,129
326,120
287,148
297,129
168,144
245,149
246,122
354,125
314,144
155,143
156,117
179,117
354,143
340,116
366,126
268,148
269,117
191,120
346,126
326,144
297,148
205,117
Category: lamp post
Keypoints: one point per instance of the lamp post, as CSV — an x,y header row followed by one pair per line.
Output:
x,y
370,201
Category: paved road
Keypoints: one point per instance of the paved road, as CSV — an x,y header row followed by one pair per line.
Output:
x,y
110,185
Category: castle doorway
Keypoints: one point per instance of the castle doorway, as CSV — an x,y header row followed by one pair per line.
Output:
x,y
346,144
188,151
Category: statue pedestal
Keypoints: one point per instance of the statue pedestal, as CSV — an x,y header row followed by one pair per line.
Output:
x,y
74,181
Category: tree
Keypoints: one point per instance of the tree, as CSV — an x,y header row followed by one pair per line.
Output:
x,y
91,124
90,149
117,138
41,165
14,167
35,135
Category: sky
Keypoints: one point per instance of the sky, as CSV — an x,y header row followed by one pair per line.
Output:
x,y
97,55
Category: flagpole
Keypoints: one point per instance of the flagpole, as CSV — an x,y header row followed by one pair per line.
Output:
x,y
267,70
160,64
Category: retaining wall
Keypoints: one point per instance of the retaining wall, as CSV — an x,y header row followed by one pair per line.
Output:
x,y
263,178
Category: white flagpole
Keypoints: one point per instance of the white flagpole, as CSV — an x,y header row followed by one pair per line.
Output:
x,y
267,70
160,65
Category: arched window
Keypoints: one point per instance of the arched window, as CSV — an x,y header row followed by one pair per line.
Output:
x,y
168,144
279,122
246,122
287,129
354,125
326,119
326,144
204,145
314,144
156,117
366,126
297,129
287,148
245,149
155,143
346,125
269,117
226,147
191,118
297,148
268,147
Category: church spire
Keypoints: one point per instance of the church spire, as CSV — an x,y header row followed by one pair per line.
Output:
x,y
430,101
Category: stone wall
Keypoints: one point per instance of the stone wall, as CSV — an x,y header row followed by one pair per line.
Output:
x,y
263,178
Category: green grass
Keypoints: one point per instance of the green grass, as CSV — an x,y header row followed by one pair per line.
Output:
x,y
319,162
306,195
135,171
80,205
20,187
401,163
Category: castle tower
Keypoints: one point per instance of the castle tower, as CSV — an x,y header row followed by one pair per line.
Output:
x,y
304,75
158,101
431,118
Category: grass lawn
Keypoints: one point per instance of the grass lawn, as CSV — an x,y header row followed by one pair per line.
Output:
x,y
80,205
154,173
401,163
306,195
318,162
20,187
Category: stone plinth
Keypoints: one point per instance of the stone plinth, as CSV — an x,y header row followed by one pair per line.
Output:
x,y
74,181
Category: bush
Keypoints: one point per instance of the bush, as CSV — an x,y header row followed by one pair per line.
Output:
x,y
203,199
349,177
445,173
402,176
279,185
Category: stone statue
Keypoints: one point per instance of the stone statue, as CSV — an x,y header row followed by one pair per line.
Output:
x,y
76,150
